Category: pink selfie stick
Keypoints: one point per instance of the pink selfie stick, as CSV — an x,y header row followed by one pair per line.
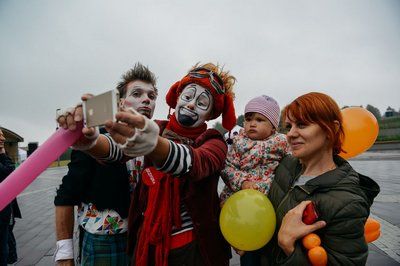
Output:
x,y
36,163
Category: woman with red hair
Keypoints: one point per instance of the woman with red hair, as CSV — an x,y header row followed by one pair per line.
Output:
x,y
315,173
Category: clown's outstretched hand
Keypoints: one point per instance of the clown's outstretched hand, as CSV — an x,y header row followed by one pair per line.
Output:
x,y
135,134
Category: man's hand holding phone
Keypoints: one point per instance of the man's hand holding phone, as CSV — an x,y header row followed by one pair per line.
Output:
x,y
70,117
100,108
136,134
93,111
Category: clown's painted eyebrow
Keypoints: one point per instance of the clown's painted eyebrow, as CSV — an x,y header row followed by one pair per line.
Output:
x,y
206,96
208,92
193,88
139,87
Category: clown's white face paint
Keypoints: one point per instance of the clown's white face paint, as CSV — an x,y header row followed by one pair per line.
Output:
x,y
194,106
140,96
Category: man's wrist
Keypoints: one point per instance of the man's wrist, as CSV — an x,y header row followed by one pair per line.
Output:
x,y
64,250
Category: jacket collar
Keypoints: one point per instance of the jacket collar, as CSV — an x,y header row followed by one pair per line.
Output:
x,y
344,177
330,178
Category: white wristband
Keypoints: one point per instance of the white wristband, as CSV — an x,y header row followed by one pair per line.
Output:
x,y
64,250
144,140
86,143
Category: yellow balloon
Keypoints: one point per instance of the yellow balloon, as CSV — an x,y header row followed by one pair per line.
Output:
x,y
247,220
360,131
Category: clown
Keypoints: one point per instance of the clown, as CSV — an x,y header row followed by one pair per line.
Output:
x,y
174,216
174,213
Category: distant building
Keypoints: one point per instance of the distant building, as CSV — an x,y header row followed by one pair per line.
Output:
x,y
11,144
22,154
390,112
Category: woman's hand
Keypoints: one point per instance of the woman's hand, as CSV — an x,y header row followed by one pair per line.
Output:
x,y
293,228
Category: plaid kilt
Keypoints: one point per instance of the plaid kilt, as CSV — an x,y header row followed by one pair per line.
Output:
x,y
103,250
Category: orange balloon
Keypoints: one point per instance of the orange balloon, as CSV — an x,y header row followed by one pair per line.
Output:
x,y
311,241
371,225
360,131
318,256
372,236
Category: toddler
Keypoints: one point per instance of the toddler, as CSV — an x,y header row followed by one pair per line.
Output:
x,y
254,155
257,149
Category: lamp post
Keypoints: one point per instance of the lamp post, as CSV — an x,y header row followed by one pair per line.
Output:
x,y
58,159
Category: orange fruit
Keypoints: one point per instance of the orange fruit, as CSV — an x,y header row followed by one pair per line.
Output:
x,y
318,256
371,225
311,241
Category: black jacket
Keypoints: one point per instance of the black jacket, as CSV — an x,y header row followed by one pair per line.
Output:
x,y
87,180
343,199
6,168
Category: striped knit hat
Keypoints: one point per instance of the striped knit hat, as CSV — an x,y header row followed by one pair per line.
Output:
x,y
266,106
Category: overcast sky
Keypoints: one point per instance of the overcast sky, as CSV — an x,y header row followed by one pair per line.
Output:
x,y
51,52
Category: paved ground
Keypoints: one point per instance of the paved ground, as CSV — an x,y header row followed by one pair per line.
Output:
x,y
36,239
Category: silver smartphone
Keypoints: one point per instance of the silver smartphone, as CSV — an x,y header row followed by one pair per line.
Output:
x,y
100,108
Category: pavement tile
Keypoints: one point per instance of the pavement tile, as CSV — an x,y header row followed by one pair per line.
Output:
x,y
378,257
50,252
33,257
46,261
385,211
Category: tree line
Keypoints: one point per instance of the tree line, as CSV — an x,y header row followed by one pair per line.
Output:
x,y
240,120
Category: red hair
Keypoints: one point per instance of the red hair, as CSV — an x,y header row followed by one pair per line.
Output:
x,y
321,109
